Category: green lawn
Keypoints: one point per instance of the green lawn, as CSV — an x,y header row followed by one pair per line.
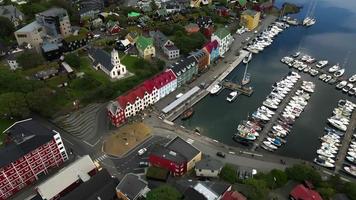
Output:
x,y
86,66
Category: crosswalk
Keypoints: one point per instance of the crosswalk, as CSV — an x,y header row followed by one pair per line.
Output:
x,y
101,158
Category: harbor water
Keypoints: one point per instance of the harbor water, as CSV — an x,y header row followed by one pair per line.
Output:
x,y
333,37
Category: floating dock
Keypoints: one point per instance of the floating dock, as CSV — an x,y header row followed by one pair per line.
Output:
x,y
237,87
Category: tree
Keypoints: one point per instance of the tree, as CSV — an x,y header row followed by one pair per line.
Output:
x,y
7,28
350,190
228,173
302,172
39,101
73,60
13,104
153,5
274,179
29,59
165,192
259,191
326,192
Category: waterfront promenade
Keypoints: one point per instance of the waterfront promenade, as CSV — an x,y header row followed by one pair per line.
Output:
x,y
274,118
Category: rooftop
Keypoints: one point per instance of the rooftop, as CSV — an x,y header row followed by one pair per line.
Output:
x,y
192,194
182,64
78,170
30,27
305,193
101,57
144,42
127,183
208,194
54,12
209,164
25,136
183,148
100,186
10,11
218,188
168,154
222,33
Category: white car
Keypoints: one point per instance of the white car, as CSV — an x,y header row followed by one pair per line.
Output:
x,y
141,151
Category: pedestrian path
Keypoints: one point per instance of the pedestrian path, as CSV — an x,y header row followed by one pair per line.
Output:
x,y
101,158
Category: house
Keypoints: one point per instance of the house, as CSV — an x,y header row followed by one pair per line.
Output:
x,y
212,48
110,65
199,3
145,47
208,168
202,58
112,27
192,28
178,156
132,37
140,97
222,11
304,192
208,190
233,195
31,34
165,45
100,186
123,45
68,178
131,187
250,19
46,73
185,69
31,151
12,61
89,8
224,38
12,13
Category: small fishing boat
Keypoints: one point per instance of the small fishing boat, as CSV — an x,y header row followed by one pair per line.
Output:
x,y
187,114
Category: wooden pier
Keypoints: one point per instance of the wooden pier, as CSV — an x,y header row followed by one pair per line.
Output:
x,y
340,158
266,129
237,87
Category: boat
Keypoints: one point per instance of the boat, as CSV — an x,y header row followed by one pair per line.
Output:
x,y
232,96
270,145
351,170
339,72
322,63
247,58
327,159
275,141
187,114
311,22
323,163
267,148
325,153
296,54
216,89
334,68
351,159
246,77
337,124
347,87
341,84
352,78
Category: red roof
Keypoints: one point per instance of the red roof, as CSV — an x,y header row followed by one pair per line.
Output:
x,y
304,193
233,195
158,81
211,45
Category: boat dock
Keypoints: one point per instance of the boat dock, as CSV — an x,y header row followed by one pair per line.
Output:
x,y
237,87
266,129
340,158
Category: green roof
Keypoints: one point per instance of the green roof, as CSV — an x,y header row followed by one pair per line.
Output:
x,y
242,2
143,42
222,33
133,14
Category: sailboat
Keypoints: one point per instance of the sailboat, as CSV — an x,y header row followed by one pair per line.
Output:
x,y
247,58
246,77
309,20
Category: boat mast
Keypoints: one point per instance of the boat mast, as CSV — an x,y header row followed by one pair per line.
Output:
x,y
245,71
346,59
309,9
313,10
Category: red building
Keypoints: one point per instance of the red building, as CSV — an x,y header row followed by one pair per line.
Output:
x,y
304,192
177,156
32,149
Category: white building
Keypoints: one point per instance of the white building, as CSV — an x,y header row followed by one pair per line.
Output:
x,y
110,65
208,168
224,38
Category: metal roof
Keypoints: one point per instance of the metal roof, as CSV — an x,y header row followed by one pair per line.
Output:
x,y
180,100
77,170
131,186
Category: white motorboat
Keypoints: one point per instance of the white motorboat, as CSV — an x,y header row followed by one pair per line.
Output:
x,y
296,54
270,145
352,78
322,63
352,154
348,87
334,68
352,91
341,84
351,170
325,153
324,148
247,58
326,159
311,22
306,20
337,124
232,96
270,105
323,163
351,159
339,72
216,89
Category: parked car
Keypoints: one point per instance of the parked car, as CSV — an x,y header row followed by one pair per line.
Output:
x,y
141,151
179,95
143,164
220,154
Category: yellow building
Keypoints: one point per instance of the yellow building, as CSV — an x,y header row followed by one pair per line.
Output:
x,y
250,19
198,3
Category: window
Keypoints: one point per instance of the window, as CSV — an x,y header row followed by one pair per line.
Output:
x,y
21,35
